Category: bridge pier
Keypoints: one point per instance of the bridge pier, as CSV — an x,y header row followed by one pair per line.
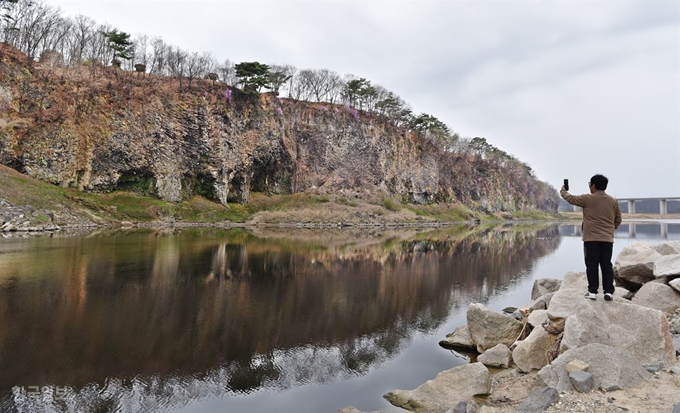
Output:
x,y
664,230
663,203
631,230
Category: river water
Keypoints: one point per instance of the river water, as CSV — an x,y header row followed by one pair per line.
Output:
x,y
213,320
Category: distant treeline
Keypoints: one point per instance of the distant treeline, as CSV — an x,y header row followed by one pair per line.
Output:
x,y
44,35
473,170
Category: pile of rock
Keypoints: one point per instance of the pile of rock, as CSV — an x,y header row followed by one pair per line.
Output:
x,y
25,220
575,344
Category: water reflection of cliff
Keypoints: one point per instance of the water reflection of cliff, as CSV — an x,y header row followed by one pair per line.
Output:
x,y
236,310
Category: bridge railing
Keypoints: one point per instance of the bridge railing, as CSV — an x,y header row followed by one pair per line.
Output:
x,y
663,203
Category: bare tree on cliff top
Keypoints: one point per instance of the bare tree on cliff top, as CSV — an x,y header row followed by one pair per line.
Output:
x,y
6,7
279,75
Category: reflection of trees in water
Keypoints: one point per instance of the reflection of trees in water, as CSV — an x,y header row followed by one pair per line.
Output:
x,y
249,313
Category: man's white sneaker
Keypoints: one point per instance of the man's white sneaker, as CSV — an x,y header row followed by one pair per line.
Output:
x,y
608,297
591,296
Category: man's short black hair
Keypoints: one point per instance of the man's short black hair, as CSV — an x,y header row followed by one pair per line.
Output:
x,y
600,182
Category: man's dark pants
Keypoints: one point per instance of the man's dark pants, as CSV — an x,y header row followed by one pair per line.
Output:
x,y
599,254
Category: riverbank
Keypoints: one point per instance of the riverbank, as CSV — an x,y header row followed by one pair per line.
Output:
x,y
29,205
626,351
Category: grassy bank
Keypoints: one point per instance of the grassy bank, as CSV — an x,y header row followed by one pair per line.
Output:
x,y
116,207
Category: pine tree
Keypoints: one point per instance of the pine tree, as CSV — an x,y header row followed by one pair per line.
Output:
x,y
121,45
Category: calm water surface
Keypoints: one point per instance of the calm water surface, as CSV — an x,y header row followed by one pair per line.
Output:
x,y
234,321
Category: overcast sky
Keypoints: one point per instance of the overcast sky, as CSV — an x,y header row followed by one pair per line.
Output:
x,y
571,88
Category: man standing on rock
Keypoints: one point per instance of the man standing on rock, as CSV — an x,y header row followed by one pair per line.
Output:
x,y
601,216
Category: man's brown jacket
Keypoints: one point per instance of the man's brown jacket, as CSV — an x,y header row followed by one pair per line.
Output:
x,y
601,214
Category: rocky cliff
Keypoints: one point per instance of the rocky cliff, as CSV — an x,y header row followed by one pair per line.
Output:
x,y
97,129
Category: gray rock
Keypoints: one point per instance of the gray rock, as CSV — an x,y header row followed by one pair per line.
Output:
x,y
667,266
577,365
532,352
582,381
640,331
668,248
509,310
675,284
539,400
488,328
498,356
460,407
543,286
447,389
675,370
538,305
653,368
8,227
517,315
169,186
676,344
569,297
459,340
472,407
676,408
658,296
351,409
623,293
465,407
537,318
675,326
541,303
635,265
611,368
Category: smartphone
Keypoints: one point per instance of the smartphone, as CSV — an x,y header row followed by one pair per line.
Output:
x,y
566,184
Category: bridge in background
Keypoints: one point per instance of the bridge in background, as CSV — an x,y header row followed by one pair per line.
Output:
x,y
647,230
663,203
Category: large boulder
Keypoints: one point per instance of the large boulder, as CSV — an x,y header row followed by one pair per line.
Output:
x,y
612,368
658,296
537,318
449,388
543,286
635,265
488,328
532,352
459,340
667,266
566,300
640,331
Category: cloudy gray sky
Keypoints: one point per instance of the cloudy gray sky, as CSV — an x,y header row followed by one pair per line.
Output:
x,y
572,88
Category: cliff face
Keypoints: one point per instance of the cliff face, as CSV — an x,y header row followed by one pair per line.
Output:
x,y
98,130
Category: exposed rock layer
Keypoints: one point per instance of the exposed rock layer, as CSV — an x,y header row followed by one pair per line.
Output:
x,y
100,131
